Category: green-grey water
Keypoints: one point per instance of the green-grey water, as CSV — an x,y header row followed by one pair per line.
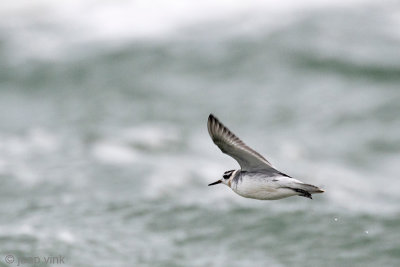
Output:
x,y
105,155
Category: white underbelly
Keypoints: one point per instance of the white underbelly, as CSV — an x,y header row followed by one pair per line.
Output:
x,y
263,190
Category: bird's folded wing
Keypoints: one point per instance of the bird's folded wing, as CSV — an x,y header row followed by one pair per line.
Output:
x,y
230,144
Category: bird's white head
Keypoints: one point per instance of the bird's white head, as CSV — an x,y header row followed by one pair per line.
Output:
x,y
226,178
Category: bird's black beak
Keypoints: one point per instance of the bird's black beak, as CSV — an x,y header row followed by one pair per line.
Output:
x,y
217,182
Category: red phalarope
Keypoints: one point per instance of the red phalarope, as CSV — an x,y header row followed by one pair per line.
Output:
x,y
256,178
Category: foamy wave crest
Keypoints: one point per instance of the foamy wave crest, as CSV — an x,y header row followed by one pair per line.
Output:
x,y
113,153
17,152
51,28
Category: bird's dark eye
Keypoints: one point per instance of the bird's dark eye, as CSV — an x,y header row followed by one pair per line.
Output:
x,y
227,174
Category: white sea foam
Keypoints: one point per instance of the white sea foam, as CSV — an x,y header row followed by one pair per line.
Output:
x,y
20,229
113,153
43,140
66,236
52,27
150,136
27,229
36,140
17,152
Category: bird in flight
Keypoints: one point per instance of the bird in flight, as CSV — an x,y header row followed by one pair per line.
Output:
x,y
256,178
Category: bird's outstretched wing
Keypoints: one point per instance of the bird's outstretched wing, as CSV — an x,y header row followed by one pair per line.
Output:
x,y
229,143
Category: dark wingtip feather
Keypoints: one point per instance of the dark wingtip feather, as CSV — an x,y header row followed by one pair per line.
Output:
x,y
212,119
210,124
213,125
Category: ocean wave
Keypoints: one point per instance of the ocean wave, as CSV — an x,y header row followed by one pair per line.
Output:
x,y
55,30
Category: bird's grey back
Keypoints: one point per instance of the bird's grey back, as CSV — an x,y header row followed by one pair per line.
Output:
x,y
258,174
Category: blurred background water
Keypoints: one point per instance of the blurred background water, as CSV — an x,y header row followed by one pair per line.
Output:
x,y
105,156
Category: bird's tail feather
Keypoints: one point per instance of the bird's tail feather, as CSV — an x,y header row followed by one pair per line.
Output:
x,y
312,189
